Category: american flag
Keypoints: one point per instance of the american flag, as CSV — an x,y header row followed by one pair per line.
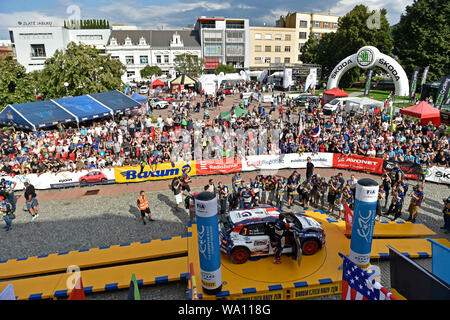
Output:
x,y
357,284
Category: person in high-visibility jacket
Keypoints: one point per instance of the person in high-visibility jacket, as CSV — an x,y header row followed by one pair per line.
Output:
x,y
142,203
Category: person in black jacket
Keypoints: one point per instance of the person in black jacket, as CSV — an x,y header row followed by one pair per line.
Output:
x,y
309,168
31,202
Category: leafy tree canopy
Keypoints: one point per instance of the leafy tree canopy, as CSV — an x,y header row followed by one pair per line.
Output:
x,y
225,68
149,71
188,64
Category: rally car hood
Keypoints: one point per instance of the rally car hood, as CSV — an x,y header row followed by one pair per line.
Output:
x,y
308,222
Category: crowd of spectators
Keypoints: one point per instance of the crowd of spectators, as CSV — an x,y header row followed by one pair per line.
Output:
x,y
141,138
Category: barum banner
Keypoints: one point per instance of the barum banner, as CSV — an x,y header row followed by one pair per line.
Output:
x,y
411,170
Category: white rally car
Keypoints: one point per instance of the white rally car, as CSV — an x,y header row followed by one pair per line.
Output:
x,y
249,233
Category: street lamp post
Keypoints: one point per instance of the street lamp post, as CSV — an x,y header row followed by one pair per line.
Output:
x,y
66,84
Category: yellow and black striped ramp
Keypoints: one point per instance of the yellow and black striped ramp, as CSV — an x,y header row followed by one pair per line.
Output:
x,y
385,229
95,257
102,279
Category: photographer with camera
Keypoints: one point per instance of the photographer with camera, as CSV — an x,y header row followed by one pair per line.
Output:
x,y
416,200
396,206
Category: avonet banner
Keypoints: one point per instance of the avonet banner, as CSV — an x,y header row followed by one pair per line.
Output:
x,y
155,172
358,163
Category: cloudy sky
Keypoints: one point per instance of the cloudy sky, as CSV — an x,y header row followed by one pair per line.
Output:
x,y
176,13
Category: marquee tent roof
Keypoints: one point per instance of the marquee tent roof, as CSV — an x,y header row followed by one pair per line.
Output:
x,y
41,114
336,92
136,96
425,112
158,83
183,79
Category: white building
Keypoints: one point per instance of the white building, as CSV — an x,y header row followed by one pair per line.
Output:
x,y
139,48
34,44
224,41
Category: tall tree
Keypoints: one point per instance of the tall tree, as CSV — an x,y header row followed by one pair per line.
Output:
x,y
352,34
16,86
83,68
149,71
309,50
225,68
422,37
188,64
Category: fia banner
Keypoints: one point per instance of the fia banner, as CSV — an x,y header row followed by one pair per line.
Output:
x,y
414,78
442,92
368,81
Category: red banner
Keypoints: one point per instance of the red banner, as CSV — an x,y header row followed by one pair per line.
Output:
x,y
218,166
358,163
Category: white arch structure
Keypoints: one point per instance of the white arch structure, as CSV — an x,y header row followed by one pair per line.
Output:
x,y
369,57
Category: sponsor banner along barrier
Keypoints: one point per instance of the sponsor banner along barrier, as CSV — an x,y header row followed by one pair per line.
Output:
x,y
411,170
224,166
62,179
160,171
358,163
286,161
218,166
438,174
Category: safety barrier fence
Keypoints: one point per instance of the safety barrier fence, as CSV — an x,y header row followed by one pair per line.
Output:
x,y
223,166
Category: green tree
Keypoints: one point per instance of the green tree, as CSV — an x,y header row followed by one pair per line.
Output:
x,y
422,37
188,64
149,71
351,35
309,50
83,68
225,68
16,86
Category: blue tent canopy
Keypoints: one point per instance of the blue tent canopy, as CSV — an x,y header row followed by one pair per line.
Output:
x,y
136,96
41,114
34,115
116,100
83,107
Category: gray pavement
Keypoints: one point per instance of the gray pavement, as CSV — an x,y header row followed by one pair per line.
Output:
x,y
93,221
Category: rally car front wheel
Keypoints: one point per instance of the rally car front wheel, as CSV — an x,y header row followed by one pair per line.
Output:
x,y
310,247
239,255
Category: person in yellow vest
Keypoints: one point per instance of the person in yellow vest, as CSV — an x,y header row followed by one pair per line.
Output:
x,y
143,206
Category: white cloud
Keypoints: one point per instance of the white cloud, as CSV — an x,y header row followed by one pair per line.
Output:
x,y
269,19
394,8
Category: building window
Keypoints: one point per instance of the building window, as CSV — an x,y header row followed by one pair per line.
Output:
x,y
131,74
128,41
81,37
212,36
335,25
268,36
316,35
258,49
235,50
278,37
113,42
258,59
257,36
266,60
303,24
235,25
114,57
302,35
287,60
267,48
277,48
144,59
316,24
287,49
326,25
235,36
277,59
287,37
166,59
129,60
213,50
38,50
300,45
158,59
299,57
